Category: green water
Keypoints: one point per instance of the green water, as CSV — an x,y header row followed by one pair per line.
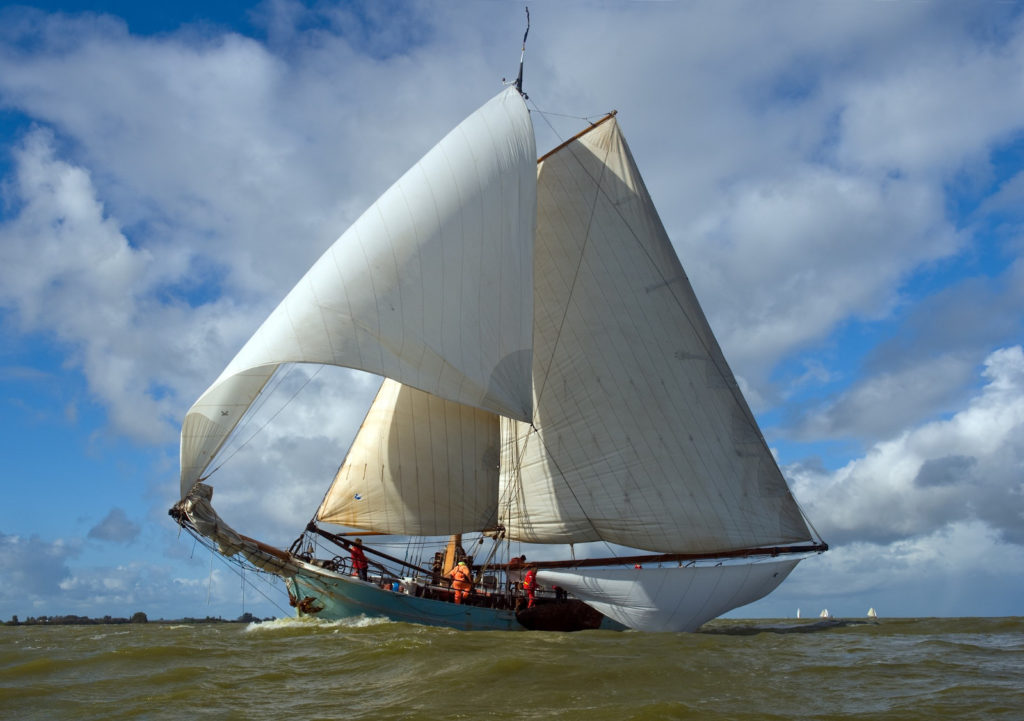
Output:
x,y
897,669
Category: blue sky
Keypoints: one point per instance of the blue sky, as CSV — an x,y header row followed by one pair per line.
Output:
x,y
843,182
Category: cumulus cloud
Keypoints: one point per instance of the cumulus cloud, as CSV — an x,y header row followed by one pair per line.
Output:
x,y
881,405
33,568
67,269
958,570
962,469
116,527
785,260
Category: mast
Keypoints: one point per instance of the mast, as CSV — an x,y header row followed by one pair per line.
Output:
x,y
519,80
451,553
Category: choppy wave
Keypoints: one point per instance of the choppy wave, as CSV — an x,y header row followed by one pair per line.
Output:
x,y
311,623
367,668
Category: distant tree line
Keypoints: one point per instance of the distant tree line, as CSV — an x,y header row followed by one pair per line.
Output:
x,y
138,617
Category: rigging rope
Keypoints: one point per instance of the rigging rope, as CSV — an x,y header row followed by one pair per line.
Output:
x,y
254,409
237,566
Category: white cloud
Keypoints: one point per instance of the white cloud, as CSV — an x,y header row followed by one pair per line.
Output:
x,y
115,527
964,469
924,119
881,405
785,260
32,568
66,268
226,165
122,590
963,569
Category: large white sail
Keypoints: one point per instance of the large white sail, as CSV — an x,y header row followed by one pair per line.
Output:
x,y
641,436
670,599
211,419
419,466
430,287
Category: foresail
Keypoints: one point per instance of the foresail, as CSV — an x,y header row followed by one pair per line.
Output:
x,y
641,436
420,466
430,286
212,418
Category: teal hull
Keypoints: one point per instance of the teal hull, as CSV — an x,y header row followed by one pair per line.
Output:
x,y
336,597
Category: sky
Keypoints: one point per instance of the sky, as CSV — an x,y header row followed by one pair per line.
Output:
x,y
842,179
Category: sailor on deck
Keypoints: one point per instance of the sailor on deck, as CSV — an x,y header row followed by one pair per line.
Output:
x,y
530,586
462,581
359,562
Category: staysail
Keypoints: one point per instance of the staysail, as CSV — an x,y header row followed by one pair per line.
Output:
x,y
419,466
430,287
640,434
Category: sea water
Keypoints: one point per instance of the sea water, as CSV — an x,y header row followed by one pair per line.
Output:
x,y
903,669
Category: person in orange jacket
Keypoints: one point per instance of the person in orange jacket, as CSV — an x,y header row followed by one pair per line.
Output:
x,y
530,586
462,581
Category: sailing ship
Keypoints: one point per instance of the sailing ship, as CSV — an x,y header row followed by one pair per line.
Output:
x,y
549,382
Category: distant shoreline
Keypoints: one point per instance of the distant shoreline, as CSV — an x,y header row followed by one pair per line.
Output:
x,y
138,617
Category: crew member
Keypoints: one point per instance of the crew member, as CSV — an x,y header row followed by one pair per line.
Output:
x,y
462,581
530,586
359,562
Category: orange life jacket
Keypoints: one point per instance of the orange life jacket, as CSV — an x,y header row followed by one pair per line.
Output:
x,y
461,578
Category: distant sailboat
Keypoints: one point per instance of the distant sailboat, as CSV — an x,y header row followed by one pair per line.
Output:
x,y
824,613
798,613
550,378
872,614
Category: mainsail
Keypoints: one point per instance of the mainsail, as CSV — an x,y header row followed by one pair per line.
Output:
x,y
550,378
640,435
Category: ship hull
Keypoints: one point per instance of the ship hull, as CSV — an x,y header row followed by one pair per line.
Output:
x,y
694,596
335,597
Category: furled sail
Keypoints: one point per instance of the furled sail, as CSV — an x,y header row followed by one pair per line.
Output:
x,y
430,287
640,434
419,466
